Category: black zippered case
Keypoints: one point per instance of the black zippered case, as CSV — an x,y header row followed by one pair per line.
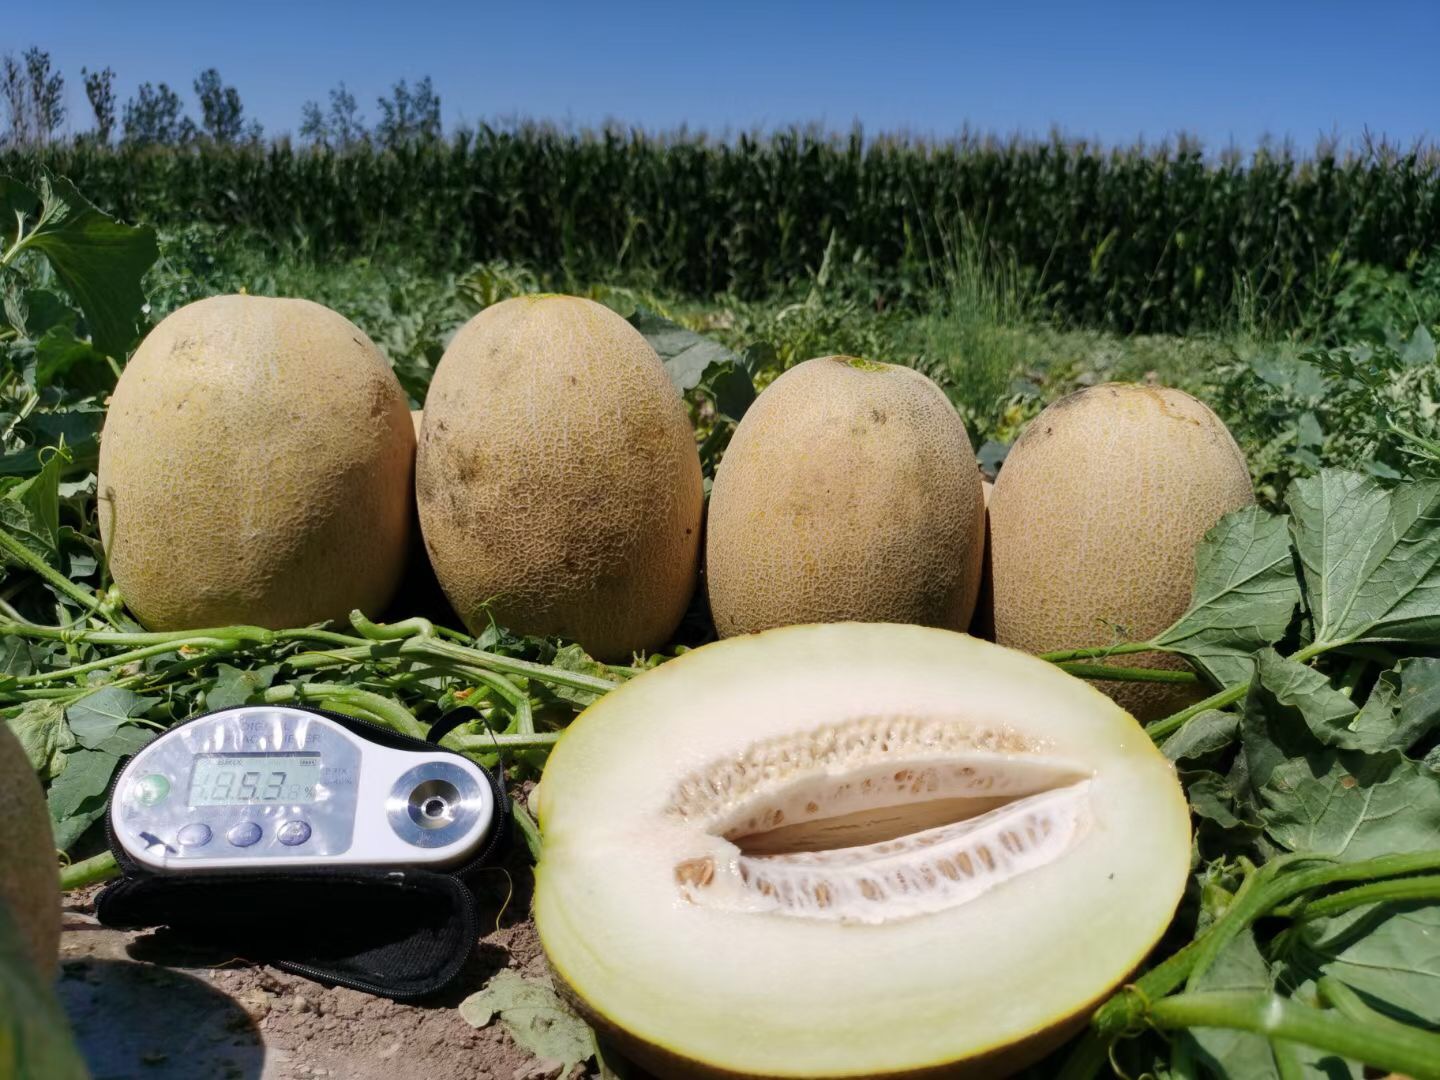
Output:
x,y
400,934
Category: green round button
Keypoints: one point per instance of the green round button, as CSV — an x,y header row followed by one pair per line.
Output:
x,y
151,789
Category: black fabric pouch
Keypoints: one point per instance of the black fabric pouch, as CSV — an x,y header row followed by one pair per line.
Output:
x,y
400,934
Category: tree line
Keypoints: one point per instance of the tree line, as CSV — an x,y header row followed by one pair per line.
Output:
x,y
32,94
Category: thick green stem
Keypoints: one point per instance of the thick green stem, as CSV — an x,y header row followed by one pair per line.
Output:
x,y
1100,652
489,741
1398,890
321,637
121,659
89,871
414,627
388,711
308,661
1348,1003
528,829
1287,1060
1126,674
257,635
506,665
1314,649
1261,893
1407,1050
519,701
1278,882
1163,729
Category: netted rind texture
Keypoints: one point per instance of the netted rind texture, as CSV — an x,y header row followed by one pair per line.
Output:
x,y
1094,521
255,467
29,874
558,478
849,492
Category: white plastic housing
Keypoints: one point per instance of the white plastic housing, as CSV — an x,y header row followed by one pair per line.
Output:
x,y
361,814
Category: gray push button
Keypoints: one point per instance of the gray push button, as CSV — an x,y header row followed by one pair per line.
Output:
x,y
244,834
293,833
196,834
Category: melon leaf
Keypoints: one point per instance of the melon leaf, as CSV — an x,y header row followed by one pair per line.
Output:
x,y
1403,708
99,260
1313,797
1291,710
534,1016
77,797
17,656
40,726
235,687
1244,597
1206,733
1370,557
30,508
1387,952
95,719
687,355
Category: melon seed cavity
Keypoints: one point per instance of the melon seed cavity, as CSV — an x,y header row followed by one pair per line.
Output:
x,y
876,819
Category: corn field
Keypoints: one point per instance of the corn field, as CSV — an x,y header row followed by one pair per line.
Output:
x,y
1148,239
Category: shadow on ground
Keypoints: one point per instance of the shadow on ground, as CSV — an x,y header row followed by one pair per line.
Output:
x,y
136,1019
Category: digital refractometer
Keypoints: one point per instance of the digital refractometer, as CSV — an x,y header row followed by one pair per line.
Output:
x,y
262,786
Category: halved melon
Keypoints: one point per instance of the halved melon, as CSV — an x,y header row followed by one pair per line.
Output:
x,y
853,850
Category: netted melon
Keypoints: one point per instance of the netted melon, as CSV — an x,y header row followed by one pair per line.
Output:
x,y
558,478
29,870
848,492
1094,522
255,467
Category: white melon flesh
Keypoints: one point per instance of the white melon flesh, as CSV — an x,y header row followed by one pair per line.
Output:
x,y
853,850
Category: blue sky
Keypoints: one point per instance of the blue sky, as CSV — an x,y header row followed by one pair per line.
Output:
x,y
1117,71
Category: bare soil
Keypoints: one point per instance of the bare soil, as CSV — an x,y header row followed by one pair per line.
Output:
x,y
145,1004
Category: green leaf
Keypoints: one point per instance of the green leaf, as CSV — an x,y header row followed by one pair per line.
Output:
x,y
1352,806
1403,708
1290,709
32,312
1286,701
77,797
17,656
1213,798
128,740
78,427
58,352
95,718
30,509
40,726
534,1015
687,355
733,391
574,658
1371,557
99,261
1315,798
1390,953
235,686
1419,351
1204,734
1244,597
